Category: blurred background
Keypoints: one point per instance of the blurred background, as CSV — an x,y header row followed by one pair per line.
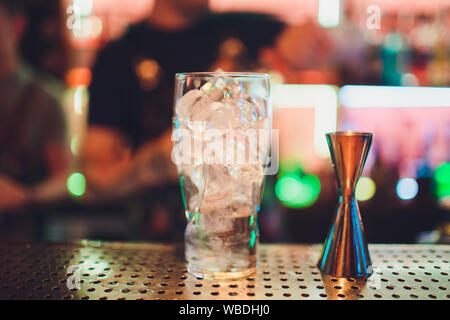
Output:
x,y
86,98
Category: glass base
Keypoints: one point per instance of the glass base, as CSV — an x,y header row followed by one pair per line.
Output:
x,y
216,275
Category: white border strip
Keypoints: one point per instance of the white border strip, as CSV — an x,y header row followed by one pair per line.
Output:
x,y
393,97
324,100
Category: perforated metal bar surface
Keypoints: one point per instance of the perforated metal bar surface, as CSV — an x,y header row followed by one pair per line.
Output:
x,y
155,271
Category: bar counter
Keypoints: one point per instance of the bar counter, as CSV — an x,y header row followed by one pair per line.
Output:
x,y
110,270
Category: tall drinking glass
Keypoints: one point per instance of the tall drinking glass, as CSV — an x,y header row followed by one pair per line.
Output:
x,y
221,140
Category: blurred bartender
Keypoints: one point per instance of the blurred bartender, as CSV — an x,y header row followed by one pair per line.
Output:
x,y
131,96
32,128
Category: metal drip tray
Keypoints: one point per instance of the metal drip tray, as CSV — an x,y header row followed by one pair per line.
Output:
x,y
155,271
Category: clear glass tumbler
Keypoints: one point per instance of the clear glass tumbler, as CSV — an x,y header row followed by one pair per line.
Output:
x,y
221,140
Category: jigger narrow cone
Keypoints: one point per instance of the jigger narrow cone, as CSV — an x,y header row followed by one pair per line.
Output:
x,y
345,252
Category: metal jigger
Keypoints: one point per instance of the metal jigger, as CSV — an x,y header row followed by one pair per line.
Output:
x,y
345,252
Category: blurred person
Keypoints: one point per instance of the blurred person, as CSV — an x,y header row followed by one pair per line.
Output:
x,y
131,102
32,126
301,53
44,44
128,145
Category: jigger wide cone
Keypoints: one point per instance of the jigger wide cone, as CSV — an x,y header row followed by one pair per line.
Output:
x,y
345,252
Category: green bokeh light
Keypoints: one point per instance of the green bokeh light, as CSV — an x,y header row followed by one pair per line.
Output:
x,y
298,192
442,178
442,173
288,187
76,184
443,190
365,189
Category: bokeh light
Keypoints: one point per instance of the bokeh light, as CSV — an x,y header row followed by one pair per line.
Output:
x,y
407,188
329,13
89,27
76,184
443,190
365,189
288,187
84,7
298,192
80,99
74,145
442,173
442,178
83,28
96,26
79,76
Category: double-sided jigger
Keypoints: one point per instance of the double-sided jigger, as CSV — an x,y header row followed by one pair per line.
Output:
x,y
345,252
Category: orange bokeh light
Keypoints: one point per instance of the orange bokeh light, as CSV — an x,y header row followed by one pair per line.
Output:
x,y
78,76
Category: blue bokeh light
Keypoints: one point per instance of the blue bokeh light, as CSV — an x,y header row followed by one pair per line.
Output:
x,y
407,188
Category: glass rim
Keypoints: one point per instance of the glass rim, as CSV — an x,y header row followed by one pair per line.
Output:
x,y
206,74
349,133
